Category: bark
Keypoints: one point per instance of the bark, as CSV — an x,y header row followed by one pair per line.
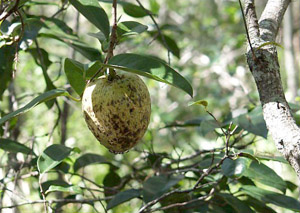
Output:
x,y
289,56
265,69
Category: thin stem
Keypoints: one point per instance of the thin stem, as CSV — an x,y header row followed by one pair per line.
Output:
x,y
158,29
247,32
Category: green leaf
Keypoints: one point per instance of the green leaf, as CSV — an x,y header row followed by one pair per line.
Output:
x,y
41,55
81,47
156,186
71,189
14,147
128,28
134,10
7,54
36,101
47,184
263,174
154,6
259,206
272,158
122,197
52,156
170,44
235,168
237,204
271,197
93,12
74,72
88,159
201,102
150,67
253,122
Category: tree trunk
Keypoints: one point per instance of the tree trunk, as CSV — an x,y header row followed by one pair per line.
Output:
x,y
264,66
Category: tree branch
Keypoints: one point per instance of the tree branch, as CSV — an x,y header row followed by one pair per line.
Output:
x,y
271,18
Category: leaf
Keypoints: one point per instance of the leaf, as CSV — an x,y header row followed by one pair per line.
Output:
x,y
7,54
36,101
156,186
42,56
270,43
237,204
150,67
170,44
272,158
81,47
88,159
134,10
271,197
124,196
253,122
14,147
74,72
72,189
263,174
31,30
93,12
154,5
128,28
47,184
52,156
201,102
235,168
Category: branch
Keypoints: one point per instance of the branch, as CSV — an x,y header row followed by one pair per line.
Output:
x,y
12,10
271,18
251,17
57,201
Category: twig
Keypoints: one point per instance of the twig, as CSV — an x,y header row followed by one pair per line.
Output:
x,y
57,201
43,194
173,205
12,10
158,30
207,172
247,32
112,44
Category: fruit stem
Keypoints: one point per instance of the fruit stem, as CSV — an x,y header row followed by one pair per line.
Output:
x,y
112,74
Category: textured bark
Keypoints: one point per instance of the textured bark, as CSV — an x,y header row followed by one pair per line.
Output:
x,y
265,69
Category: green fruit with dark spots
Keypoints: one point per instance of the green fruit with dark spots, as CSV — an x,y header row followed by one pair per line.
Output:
x,y
117,111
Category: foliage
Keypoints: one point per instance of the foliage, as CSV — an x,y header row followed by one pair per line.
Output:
x,y
188,161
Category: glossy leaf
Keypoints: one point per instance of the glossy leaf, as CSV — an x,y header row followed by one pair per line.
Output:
x,y
47,184
134,10
14,147
235,168
238,205
124,196
128,28
170,44
70,189
263,174
74,72
81,47
150,67
52,156
253,122
93,12
36,101
271,197
88,159
158,185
